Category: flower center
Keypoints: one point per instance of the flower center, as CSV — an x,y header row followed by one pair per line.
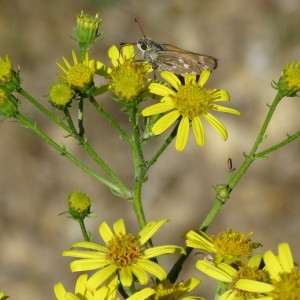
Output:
x,y
128,80
124,249
80,77
232,246
288,287
192,100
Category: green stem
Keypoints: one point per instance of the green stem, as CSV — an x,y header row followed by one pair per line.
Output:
x,y
232,181
164,146
71,124
45,111
279,145
65,153
117,186
80,118
139,166
121,191
83,231
109,118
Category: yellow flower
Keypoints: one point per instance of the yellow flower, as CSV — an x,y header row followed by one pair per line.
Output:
x,y
80,75
107,292
165,290
6,71
230,275
124,255
285,277
60,95
128,79
228,247
289,82
9,79
188,102
81,292
2,296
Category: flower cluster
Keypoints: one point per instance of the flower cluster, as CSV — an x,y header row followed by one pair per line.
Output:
x,y
243,274
125,259
125,255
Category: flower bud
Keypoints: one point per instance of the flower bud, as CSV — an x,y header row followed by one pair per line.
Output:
x,y
79,205
9,79
8,105
60,95
86,30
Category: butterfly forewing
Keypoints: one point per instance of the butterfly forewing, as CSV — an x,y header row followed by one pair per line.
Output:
x,y
188,62
166,57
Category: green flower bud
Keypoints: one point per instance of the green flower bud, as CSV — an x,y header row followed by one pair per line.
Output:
x,y
8,105
289,81
86,30
9,79
79,205
60,95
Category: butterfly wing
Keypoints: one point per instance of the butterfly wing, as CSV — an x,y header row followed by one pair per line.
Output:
x,y
180,61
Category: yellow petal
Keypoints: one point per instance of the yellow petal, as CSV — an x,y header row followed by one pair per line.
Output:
x,y
119,227
226,109
253,286
149,230
217,125
114,55
105,232
128,51
212,271
126,275
182,133
204,77
285,257
198,131
157,108
159,89
165,122
171,78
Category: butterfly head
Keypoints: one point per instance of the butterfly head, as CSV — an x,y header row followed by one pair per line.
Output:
x,y
146,44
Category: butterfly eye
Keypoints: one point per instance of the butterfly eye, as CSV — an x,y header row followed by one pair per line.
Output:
x,y
143,45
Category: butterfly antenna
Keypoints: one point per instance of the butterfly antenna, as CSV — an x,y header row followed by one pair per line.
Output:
x,y
137,21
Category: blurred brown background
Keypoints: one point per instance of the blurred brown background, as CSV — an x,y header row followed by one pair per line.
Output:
x,y
253,41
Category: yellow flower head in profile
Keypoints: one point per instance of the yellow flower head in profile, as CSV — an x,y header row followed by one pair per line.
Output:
x,y
6,70
231,247
79,75
229,275
2,296
107,292
127,79
165,290
9,79
289,81
187,102
125,255
283,273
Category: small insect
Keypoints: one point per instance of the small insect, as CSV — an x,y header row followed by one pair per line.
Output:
x,y
165,57
230,167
